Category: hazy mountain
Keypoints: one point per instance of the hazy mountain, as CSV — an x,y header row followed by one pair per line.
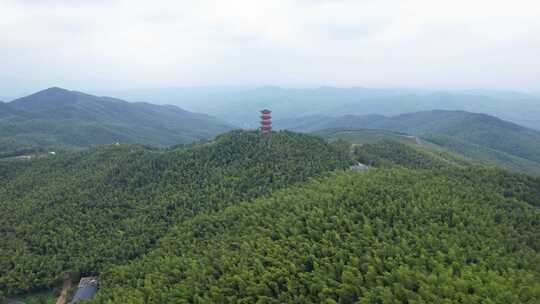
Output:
x,y
238,104
320,122
56,117
479,136
4,110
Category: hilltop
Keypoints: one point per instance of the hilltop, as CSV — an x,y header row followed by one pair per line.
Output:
x,y
58,118
245,218
416,228
82,211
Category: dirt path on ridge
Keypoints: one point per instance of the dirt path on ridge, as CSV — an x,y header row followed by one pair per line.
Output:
x,y
68,283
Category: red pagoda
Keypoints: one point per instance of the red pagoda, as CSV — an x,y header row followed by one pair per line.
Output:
x,y
266,122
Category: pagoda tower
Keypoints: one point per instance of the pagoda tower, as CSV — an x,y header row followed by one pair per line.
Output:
x,y
266,122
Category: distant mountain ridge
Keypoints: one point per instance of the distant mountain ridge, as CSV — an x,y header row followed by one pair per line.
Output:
x,y
236,104
479,136
57,117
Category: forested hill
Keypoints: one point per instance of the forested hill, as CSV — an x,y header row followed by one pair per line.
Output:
x,y
365,136
390,153
416,229
4,109
240,219
477,136
82,212
56,118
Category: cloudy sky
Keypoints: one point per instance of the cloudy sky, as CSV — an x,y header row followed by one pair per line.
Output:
x,y
122,44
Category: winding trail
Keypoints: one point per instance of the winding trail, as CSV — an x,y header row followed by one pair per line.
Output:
x,y
62,299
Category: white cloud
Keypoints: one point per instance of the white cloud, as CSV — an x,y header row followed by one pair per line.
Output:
x,y
122,44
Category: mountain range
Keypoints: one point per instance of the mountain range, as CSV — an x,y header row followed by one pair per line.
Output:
x,y
237,104
56,118
478,136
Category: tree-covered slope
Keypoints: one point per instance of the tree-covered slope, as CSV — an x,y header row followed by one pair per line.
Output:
x,y
84,211
390,153
56,117
480,129
5,110
393,154
235,220
381,236
484,154
365,136
477,136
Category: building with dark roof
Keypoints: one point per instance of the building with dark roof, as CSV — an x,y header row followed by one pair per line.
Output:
x,y
88,286
359,167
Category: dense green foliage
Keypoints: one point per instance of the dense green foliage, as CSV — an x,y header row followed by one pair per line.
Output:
x,y
479,129
477,136
485,154
391,154
83,211
56,118
385,153
235,220
365,136
381,236
46,297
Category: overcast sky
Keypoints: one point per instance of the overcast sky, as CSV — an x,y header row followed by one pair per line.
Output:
x,y
100,44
